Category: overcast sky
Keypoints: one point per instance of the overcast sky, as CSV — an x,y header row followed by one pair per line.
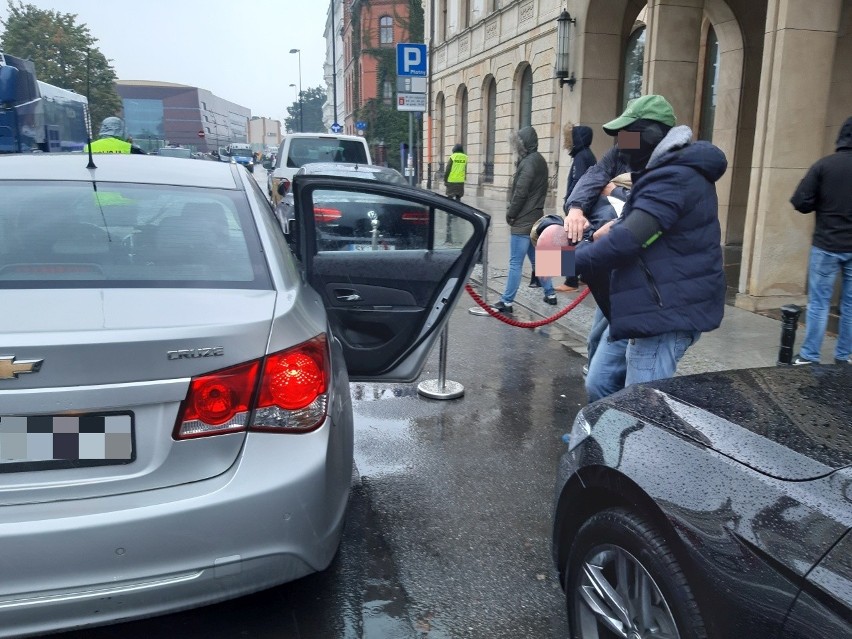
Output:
x,y
237,49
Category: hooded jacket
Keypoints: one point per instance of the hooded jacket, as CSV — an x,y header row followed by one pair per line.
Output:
x,y
827,189
582,157
676,282
529,184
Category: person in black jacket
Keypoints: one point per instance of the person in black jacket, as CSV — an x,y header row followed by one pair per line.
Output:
x,y
578,139
827,189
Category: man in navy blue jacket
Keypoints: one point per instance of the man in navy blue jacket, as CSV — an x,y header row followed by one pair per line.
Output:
x,y
664,255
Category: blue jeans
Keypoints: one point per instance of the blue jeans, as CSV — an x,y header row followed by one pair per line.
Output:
x,y
607,366
599,324
650,358
822,273
520,246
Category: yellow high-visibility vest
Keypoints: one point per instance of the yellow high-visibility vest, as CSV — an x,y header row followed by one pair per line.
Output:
x,y
108,145
458,170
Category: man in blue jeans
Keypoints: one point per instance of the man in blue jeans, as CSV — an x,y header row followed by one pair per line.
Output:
x,y
827,189
663,255
528,192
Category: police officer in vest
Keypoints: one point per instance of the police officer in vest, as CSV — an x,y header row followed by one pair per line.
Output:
x,y
455,174
112,138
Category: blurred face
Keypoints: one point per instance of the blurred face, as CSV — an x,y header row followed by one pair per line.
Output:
x,y
637,142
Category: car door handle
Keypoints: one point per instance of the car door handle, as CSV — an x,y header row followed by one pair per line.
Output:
x,y
347,295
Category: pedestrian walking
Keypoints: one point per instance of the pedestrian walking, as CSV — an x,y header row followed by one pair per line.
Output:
x,y
577,139
113,138
527,195
456,173
827,190
663,255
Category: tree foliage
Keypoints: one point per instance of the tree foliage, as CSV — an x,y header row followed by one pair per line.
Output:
x,y
65,55
312,101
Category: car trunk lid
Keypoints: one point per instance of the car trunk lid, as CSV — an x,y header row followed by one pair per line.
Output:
x,y
117,359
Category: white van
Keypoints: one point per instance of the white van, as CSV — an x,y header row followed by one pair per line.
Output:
x,y
298,149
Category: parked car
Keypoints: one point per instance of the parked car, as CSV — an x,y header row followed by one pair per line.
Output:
x,y
714,505
175,416
298,149
175,152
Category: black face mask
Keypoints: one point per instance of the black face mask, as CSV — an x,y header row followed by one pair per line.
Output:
x,y
651,133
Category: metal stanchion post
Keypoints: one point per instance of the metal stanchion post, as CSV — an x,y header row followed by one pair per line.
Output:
x,y
478,310
441,388
789,321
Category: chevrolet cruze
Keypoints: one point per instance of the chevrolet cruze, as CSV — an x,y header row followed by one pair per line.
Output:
x,y
175,416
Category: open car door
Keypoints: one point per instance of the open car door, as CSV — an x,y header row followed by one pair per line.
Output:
x,y
389,261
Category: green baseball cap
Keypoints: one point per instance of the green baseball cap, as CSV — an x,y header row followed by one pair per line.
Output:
x,y
647,107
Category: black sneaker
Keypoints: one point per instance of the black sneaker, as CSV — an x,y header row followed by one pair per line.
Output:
x,y
841,361
550,299
801,361
534,283
503,308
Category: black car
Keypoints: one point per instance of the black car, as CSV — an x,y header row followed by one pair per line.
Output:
x,y
712,505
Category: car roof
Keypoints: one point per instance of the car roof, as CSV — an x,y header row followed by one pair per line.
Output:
x,y
133,168
334,136
348,168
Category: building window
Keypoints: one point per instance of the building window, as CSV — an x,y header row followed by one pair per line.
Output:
x,y
385,30
634,58
490,131
387,92
461,117
440,109
526,94
711,87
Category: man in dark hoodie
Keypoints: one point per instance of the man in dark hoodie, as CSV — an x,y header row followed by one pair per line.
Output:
x,y
528,192
578,139
664,253
827,189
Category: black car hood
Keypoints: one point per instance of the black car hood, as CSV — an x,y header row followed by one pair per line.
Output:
x,y
791,423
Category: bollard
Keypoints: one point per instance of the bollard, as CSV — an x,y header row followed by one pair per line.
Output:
x,y
477,310
441,388
789,322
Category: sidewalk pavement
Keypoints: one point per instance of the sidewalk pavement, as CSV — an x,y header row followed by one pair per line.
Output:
x,y
744,339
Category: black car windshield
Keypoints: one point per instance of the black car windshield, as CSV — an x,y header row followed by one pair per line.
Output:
x,y
67,234
306,150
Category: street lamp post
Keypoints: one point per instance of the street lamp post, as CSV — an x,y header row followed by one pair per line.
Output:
x,y
295,92
301,110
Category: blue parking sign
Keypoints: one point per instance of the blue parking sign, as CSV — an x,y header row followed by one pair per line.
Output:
x,y
410,59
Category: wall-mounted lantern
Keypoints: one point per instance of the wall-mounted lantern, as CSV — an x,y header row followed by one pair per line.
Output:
x,y
563,43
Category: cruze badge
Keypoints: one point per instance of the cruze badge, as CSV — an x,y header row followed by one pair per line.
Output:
x,y
193,353
10,369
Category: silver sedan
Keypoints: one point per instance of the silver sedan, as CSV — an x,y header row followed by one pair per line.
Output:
x,y
175,416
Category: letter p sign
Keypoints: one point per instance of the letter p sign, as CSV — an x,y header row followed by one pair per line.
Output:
x,y
410,60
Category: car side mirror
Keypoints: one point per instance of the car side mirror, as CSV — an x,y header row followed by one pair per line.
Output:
x,y
267,164
283,187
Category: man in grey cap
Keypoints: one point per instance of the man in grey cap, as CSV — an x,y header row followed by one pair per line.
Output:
x,y
112,138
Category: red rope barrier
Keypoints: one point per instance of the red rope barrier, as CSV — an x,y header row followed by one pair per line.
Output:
x,y
513,322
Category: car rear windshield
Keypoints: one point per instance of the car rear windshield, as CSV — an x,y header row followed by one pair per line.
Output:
x,y
71,234
306,150
175,152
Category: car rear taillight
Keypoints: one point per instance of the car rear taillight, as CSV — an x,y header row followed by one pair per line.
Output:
x,y
326,215
291,394
218,403
416,217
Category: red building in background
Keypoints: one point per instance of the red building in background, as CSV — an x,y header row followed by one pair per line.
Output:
x,y
371,31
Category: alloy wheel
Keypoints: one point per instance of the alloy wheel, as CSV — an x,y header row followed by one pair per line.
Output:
x,y
617,597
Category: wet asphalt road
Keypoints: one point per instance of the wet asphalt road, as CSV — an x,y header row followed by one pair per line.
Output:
x,y
448,531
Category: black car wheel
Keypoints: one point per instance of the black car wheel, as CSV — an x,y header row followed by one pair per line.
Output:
x,y
623,581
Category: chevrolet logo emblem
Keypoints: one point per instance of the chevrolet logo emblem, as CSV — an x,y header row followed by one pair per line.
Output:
x,y
10,369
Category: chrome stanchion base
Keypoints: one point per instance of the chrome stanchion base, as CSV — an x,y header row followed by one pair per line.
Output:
x,y
477,310
433,389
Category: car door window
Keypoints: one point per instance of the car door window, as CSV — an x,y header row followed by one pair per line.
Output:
x,y
389,262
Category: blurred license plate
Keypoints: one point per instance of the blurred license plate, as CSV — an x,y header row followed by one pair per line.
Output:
x,y
29,442
381,246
